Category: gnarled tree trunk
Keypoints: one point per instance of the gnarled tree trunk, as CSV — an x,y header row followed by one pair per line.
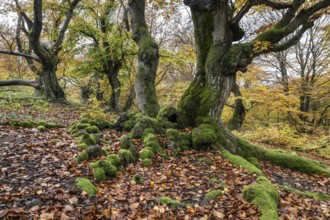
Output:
x,y
236,121
147,60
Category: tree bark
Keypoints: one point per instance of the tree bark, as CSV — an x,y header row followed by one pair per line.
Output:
x,y
148,59
19,82
112,74
219,59
214,79
236,121
48,56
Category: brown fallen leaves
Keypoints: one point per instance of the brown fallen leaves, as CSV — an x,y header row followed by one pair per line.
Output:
x,y
37,182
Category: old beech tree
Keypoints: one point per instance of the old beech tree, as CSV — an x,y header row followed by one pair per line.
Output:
x,y
220,56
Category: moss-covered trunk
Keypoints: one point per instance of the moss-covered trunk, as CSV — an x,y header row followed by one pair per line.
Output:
x,y
215,75
148,58
236,121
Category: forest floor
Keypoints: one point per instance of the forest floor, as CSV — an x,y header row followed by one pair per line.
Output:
x,y
38,172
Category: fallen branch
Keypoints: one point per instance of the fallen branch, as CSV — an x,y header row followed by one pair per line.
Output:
x,y
20,82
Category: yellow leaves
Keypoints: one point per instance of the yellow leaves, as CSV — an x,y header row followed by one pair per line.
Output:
x,y
260,46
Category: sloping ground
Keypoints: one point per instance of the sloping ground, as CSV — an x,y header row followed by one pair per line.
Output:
x,y
38,171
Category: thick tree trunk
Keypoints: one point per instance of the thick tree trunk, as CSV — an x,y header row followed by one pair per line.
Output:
x,y
39,92
209,91
52,88
129,101
236,121
147,60
112,74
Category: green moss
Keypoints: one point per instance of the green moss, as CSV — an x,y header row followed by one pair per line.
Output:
x,y
146,162
263,195
41,128
74,131
145,123
126,156
109,169
86,185
271,35
295,162
316,195
197,100
82,146
95,151
82,156
26,124
235,159
280,158
14,123
170,117
54,125
170,202
88,139
206,160
138,179
114,159
92,129
146,154
85,121
254,161
102,123
180,140
82,126
125,141
43,123
214,180
203,137
131,120
150,140
213,194
99,174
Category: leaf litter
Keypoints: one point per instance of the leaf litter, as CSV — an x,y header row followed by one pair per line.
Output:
x,y
37,182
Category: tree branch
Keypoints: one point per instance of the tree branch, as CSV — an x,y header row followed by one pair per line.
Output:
x,y
250,3
65,26
19,82
20,54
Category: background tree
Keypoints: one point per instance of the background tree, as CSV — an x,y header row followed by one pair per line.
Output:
x,y
108,43
48,53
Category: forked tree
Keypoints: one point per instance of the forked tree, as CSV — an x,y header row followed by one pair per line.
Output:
x,y
46,54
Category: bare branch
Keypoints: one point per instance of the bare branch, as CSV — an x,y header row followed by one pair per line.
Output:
x,y
20,55
19,82
251,3
65,26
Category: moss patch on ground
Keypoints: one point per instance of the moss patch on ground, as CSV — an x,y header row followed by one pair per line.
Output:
x,y
263,195
203,137
126,156
103,170
170,202
86,185
213,194
235,159
315,195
